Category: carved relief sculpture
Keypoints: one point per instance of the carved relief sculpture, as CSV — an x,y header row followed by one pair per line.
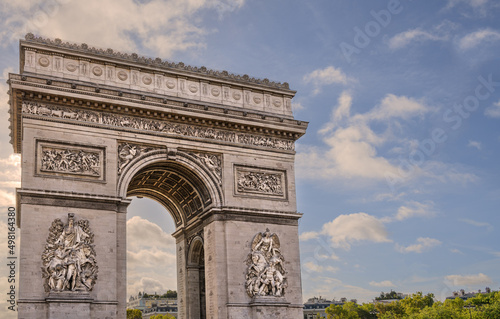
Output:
x,y
155,126
266,275
69,258
259,182
212,162
70,161
127,152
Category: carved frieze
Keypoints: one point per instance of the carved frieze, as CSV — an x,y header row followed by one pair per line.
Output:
x,y
129,151
152,125
69,259
260,181
211,161
62,159
266,275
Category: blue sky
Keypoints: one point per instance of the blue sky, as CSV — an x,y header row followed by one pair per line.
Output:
x,y
397,176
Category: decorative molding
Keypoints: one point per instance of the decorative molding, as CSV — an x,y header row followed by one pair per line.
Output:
x,y
127,152
69,259
213,162
64,159
152,125
266,275
156,63
260,181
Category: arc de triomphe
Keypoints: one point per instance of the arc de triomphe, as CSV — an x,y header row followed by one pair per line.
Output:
x,y
95,127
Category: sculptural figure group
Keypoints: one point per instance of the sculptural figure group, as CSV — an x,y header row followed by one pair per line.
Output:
x,y
69,259
70,161
266,275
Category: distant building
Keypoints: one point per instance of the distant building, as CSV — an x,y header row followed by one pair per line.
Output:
x,y
142,303
391,297
466,295
315,306
159,310
388,297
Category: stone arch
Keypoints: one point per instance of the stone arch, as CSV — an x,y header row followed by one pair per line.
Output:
x,y
176,180
226,143
196,255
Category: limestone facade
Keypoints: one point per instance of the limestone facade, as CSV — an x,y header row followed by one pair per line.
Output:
x,y
217,150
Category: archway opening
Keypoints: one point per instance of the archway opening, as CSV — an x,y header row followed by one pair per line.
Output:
x,y
151,256
185,196
196,277
174,186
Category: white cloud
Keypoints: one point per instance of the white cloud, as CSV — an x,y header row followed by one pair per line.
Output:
x,y
468,280
475,144
314,267
393,106
141,234
476,223
151,258
472,3
402,39
296,106
493,111
324,256
349,229
456,251
476,38
415,209
495,253
389,196
10,164
334,257
352,144
326,76
385,283
423,244
10,178
328,286
162,27
339,113
440,32
308,235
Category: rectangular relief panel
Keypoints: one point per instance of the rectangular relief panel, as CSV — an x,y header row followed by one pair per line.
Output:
x,y
260,182
71,161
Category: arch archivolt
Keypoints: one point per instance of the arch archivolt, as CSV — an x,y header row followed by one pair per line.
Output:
x,y
182,182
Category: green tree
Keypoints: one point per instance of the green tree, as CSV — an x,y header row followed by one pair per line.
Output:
x,y
487,306
170,294
346,311
351,310
393,310
134,314
367,311
416,302
440,311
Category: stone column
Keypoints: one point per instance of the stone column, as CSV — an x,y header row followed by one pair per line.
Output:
x,y
193,291
215,270
182,311
121,258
